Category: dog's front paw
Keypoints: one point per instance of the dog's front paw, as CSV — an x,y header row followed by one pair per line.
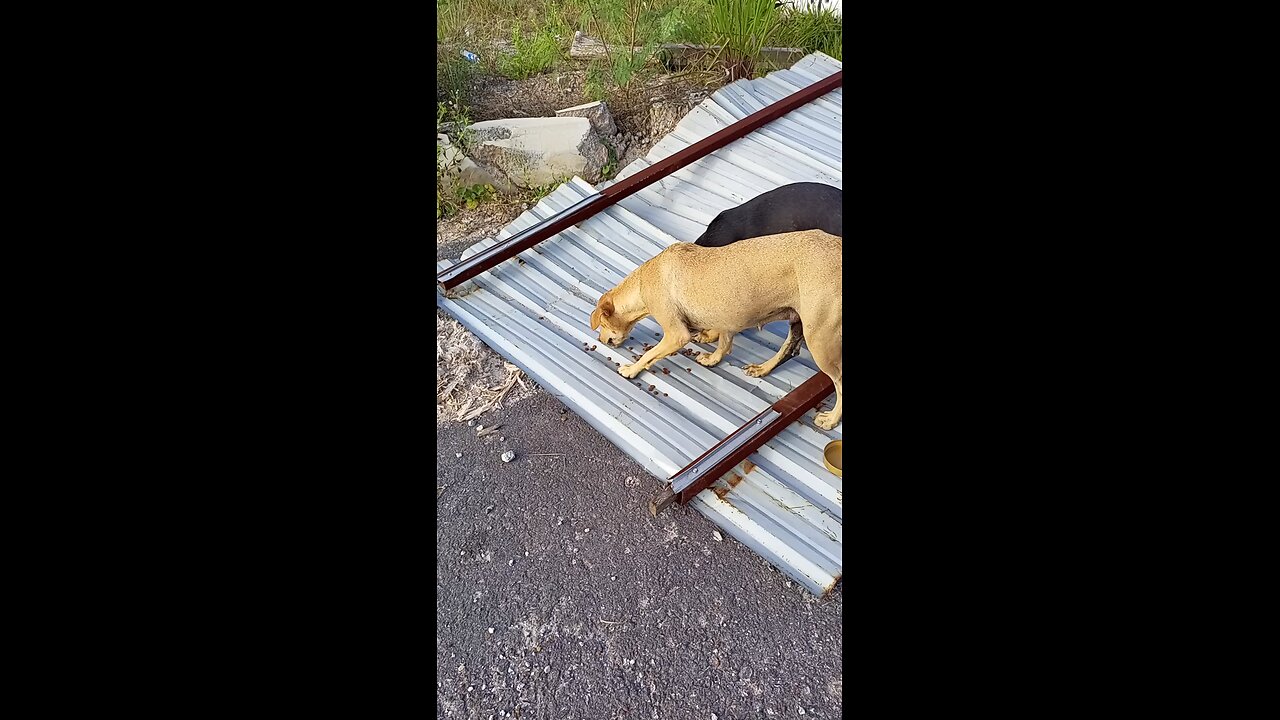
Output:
x,y
708,359
757,370
630,371
826,420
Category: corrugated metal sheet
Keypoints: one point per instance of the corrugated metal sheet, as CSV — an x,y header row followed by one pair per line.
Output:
x,y
536,310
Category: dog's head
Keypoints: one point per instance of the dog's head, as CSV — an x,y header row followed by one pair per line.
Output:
x,y
613,329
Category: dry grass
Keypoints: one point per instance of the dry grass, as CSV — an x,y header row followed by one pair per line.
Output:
x,y
471,379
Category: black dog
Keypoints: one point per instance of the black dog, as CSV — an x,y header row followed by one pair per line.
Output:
x,y
790,208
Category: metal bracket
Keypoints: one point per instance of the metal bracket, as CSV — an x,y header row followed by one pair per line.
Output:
x,y
726,454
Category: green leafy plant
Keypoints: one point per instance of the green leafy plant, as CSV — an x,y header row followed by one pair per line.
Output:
x,y
471,196
535,193
597,82
452,119
533,54
610,167
630,32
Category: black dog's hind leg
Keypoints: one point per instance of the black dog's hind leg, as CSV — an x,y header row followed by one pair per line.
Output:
x,y
790,348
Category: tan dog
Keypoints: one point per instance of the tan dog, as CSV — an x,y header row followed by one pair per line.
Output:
x,y
720,291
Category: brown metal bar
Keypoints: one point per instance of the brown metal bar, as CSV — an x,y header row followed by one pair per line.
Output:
x,y
661,499
486,259
726,454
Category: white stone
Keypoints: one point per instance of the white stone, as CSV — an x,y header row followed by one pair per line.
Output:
x,y
597,113
508,456
537,151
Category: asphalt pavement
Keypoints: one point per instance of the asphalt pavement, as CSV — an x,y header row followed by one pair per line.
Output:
x,y
558,596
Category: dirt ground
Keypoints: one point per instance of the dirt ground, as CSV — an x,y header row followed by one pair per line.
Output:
x,y
476,224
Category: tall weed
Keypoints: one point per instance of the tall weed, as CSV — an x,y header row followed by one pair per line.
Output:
x,y
631,31
454,73
741,28
533,54
813,30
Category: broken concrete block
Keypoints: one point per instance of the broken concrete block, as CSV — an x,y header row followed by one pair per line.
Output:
x,y
458,170
597,113
526,152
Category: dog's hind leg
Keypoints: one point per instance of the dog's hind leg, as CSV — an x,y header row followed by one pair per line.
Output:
x,y
707,336
829,356
673,338
726,344
790,348
831,418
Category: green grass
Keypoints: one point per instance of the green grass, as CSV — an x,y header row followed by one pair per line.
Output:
x,y
451,21
534,54
741,28
521,38
479,22
814,31
454,73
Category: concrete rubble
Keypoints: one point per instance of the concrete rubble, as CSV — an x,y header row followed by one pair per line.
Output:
x,y
460,170
518,153
597,113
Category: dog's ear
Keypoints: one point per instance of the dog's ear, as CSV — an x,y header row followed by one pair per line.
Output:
x,y
595,318
606,306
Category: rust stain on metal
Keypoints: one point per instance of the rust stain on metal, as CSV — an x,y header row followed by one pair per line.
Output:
x,y
748,466
733,479
789,408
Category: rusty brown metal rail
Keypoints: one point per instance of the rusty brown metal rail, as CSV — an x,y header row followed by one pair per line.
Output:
x,y
726,454
484,260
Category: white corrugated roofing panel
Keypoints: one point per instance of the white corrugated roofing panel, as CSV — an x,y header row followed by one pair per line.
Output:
x,y
535,310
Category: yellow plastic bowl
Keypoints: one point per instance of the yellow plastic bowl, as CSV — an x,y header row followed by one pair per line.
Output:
x,y
833,457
